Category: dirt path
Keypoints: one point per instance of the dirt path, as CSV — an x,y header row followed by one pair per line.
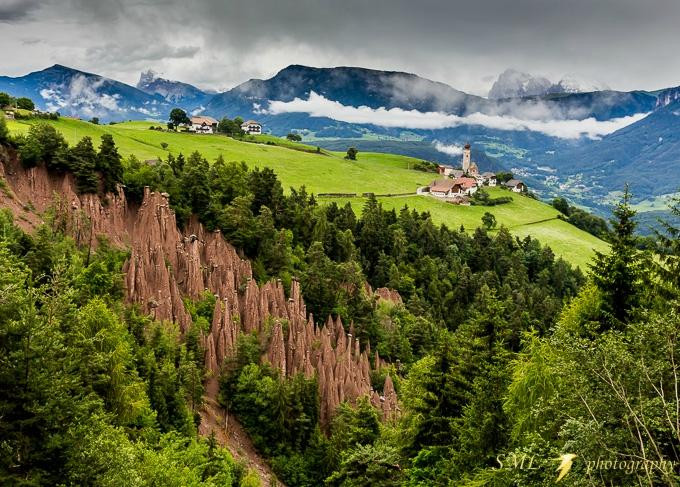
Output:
x,y
235,439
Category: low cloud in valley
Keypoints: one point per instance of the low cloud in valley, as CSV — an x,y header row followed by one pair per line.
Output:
x,y
319,106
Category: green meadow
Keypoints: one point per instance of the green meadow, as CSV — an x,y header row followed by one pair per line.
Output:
x,y
523,216
295,164
329,172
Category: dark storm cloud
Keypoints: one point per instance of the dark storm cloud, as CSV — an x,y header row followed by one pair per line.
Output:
x,y
624,43
13,10
133,52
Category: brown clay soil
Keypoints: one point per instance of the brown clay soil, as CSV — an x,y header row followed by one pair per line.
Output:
x,y
230,434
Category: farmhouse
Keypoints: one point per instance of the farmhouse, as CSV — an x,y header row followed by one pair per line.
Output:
x,y
203,125
445,188
489,178
251,127
515,185
444,170
467,185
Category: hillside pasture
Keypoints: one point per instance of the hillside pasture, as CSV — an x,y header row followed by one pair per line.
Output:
x,y
524,216
327,172
297,164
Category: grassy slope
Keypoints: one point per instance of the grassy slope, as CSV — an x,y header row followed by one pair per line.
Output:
x,y
327,172
330,172
524,216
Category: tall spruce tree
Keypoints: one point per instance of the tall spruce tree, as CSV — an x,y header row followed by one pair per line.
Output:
x,y
84,165
109,163
4,131
669,241
618,274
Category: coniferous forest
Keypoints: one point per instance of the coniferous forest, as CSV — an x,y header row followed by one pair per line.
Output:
x,y
504,358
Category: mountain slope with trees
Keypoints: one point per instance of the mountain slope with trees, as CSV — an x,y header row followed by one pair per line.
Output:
x,y
468,301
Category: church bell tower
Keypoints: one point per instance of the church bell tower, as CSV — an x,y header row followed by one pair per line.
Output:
x,y
466,158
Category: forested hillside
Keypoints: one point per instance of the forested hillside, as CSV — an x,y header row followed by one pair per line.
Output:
x,y
495,349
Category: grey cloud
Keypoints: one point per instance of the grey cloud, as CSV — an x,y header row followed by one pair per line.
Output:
x,y
16,10
628,44
151,51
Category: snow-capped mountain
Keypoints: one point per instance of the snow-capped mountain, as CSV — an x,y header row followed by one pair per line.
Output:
x,y
516,84
576,84
173,91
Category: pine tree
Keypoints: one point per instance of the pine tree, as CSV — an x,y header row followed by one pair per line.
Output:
x,y
669,240
373,236
618,274
195,184
4,131
84,160
109,163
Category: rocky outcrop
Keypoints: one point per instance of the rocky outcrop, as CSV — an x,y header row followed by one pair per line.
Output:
x,y
388,294
30,192
165,266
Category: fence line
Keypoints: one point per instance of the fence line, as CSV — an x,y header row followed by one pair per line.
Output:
x,y
363,195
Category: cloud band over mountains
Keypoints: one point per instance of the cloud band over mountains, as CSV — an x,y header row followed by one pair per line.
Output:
x,y
319,106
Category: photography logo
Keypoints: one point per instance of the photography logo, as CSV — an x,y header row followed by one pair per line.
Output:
x,y
525,461
565,466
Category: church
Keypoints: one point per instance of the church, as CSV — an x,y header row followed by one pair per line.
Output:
x,y
470,168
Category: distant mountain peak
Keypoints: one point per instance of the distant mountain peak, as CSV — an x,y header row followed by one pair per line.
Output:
x,y
147,77
152,83
576,84
512,83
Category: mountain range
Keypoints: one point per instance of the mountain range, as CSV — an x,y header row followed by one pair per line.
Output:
x,y
563,138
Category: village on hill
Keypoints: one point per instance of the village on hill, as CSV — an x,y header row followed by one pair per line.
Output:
x,y
458,185
202,124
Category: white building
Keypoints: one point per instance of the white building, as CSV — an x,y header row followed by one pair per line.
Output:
x,y
444,170
251,127
467,185
445,188
516,186
203,125
489,178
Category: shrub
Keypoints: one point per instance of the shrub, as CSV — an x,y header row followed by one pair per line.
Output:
x,y
25,103
4,131
5,99
425,166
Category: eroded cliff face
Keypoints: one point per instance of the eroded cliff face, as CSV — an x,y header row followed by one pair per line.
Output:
x,y
166,265
29,193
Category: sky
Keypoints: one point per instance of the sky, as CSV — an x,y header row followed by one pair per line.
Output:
x,y
217,44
